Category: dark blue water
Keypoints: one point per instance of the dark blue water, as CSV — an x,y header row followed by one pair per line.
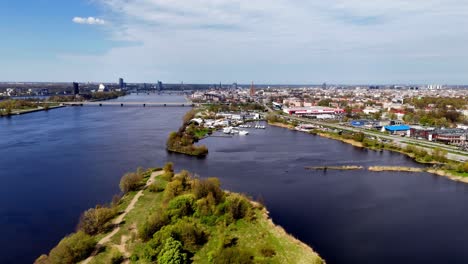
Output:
x,y
56,164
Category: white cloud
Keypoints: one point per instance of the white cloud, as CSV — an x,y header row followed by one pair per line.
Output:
x,y
285,41
88,20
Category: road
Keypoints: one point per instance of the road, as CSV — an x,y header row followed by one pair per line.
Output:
x,y
453,153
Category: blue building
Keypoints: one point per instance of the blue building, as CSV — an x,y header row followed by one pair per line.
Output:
x,y
398,129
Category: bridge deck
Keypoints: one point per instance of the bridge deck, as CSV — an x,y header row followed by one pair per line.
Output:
x,y
144,104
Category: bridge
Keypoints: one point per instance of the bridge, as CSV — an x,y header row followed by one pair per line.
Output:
x,y
122,104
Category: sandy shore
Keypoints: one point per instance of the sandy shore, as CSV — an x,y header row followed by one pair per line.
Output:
x,y
395,168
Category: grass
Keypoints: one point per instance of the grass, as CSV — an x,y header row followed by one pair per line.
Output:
x,y
454,151
261,235
201,132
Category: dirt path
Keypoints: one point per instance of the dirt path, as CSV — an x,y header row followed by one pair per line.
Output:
x,y
118,221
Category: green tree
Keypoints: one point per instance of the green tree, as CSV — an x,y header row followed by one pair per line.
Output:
x,y
325,102
172,253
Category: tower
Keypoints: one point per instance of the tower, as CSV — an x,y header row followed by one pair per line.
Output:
x,y
76,88
252,90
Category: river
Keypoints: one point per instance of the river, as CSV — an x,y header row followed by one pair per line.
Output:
x,y
58,163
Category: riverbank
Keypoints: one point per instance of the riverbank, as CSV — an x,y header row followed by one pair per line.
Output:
x,y
453,170
283,125
176,216
28,111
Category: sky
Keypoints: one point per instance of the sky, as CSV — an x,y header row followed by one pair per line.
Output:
x,y
212,41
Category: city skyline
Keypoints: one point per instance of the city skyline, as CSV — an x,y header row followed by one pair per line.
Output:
x,y
349,42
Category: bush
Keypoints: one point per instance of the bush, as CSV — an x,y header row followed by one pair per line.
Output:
x,y
167,176
156,187
172,253
169,167
205,206
154,223
72,249
192,235
237,207
201,188
96,220
463,167
232,255
173,189
115,257
131,182
268,252
181,206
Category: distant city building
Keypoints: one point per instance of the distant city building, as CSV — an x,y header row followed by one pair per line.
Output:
x,y
102,88
252,90
160,86
434,87
122,84
76,88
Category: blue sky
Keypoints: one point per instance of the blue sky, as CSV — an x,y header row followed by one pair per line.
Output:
x,y
208,41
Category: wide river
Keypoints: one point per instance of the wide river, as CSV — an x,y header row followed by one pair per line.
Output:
x,y
56,164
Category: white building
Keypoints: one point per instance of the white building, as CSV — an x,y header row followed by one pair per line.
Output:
x,y
102,88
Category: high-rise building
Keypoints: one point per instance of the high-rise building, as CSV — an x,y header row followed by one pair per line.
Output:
x,y
160,86
252,90
121,83
76,88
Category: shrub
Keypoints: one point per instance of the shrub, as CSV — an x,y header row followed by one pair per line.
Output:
x,y
155,187
172,253
181,206
131,182
232,255
116,200
72,249
173,189
192,235
169,167
267,252
115,257
202,187
153,224
167,176
185,178
463,167
96,220
205,206
237,207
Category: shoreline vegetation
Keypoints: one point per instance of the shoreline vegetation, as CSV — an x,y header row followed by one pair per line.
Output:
x,y
351,167
10,107
183,141
166,217
453,170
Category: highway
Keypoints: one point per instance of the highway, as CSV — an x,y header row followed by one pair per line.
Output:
x,y
453,153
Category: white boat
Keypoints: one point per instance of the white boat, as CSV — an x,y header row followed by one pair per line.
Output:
x,y
227,130
243,132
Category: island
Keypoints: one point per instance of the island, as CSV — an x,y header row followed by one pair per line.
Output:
x,y
169,217
183,141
